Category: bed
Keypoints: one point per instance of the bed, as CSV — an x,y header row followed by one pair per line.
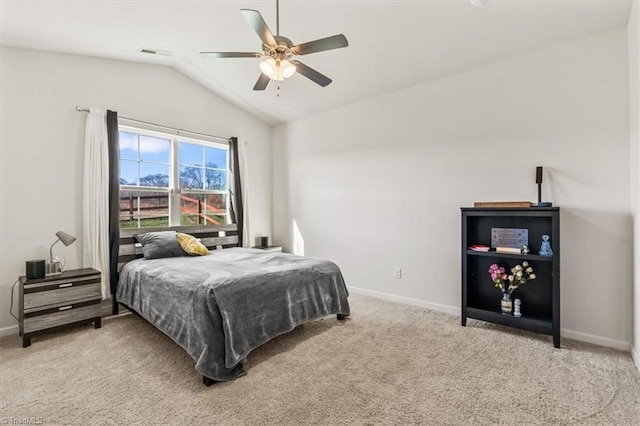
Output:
x,y
220,307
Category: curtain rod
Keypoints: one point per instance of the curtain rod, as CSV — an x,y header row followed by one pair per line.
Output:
x,y
83,109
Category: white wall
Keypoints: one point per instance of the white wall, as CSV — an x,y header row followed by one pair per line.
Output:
x,y
633,36
42,140
379,183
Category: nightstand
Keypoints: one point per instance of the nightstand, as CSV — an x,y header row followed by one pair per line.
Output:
x,y
269,248
59,301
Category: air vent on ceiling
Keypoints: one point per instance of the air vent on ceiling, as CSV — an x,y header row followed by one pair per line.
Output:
x,y
149,51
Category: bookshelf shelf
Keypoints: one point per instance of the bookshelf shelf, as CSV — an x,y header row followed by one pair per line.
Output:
x,y
520,257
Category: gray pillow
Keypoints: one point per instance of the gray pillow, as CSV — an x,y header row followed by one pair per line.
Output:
x,y
156,245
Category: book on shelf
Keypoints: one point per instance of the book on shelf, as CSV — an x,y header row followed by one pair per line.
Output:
x,y
478,247
511,250
504,204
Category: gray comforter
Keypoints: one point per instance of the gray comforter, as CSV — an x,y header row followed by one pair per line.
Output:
x,y
222,306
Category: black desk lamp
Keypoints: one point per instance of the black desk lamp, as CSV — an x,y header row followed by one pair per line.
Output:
x,y
539,182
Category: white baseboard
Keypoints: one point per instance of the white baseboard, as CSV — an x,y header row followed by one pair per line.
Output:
x,y
455,310
8,331
596,340
636,357
406,300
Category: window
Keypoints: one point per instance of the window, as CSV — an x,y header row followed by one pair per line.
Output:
x,y
170,180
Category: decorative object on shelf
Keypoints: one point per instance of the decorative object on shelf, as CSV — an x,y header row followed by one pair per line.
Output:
x,y
510,250
539,182
478,247
525,249
54,266
545,247
507,283
509,237
502,204
516,308
505,304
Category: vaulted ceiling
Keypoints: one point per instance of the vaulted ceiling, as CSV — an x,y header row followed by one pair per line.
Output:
x,y
392,44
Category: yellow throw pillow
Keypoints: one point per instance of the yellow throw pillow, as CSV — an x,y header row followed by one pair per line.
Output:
x,y
191,245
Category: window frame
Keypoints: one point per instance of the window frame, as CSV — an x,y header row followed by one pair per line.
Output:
x,y
173,190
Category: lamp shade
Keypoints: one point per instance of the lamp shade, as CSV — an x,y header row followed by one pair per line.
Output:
x,y
268,67
277,70
65,238
288,69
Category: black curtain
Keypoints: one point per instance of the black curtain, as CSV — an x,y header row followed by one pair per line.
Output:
x,y
236,195
114,203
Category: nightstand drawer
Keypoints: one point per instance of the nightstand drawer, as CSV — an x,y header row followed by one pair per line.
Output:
x,y
61,292
62,315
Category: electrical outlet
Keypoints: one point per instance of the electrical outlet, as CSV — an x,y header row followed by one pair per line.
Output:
x,y
397,273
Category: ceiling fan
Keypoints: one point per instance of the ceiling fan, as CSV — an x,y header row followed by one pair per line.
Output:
x,y
280,50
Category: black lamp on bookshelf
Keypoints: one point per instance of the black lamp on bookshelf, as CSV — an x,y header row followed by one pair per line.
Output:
x,y
539,182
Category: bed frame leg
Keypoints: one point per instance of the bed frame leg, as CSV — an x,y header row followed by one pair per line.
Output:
x,y
207,381
342,317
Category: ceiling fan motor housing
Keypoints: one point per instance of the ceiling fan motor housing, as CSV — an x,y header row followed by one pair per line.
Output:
x,y
282,50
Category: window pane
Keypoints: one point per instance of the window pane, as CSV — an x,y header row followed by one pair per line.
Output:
x,y
202,209
215,179
128,145
191,177
191,206
154,175
215,158
128,209
187,220
190,154
154,209
128,172
154,149
215,219
216,203
144,209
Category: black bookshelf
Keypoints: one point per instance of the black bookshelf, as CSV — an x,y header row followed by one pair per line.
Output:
x,y
540,297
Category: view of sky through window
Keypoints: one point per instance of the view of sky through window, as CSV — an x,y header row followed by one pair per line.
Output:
x,y
145,160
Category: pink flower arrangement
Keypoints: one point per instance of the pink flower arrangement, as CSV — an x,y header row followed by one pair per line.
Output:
x,y
520,274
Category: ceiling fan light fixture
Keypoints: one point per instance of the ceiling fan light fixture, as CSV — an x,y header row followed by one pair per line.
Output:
x,y
288,69
277,69
268,67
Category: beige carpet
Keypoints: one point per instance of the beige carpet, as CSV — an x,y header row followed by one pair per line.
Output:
x,y
388,364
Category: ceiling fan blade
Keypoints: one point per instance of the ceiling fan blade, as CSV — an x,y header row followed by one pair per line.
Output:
x,y
262,82
312,74
328,43
232,54
259,26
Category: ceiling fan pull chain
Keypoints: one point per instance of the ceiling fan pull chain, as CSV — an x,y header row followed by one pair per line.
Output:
x,y
278,90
